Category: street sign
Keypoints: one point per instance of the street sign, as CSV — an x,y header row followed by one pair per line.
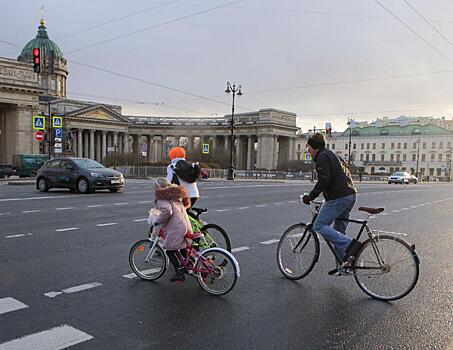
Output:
x,y
39,122
205,148
58,133
111,149
39,136
58,150
307,156
57,139
57,122
57,145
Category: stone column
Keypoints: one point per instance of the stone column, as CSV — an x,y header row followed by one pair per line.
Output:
x,y
190,142
163,150
115,142
98,146
214,145
149,150
155,148
104,143
86,145
290,148
91,143
126,143
249,151
237,156
79,143
266,151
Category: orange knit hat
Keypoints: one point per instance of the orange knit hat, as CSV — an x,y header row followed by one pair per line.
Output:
x,y
177,152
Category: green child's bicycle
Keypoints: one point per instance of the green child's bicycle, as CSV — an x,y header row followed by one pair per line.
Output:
x,y
213,235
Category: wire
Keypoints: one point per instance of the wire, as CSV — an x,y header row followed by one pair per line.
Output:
x,y
366,112
154,26
9,43
413,31
428,22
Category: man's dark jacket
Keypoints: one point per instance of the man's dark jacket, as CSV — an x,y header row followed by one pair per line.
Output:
x,y
334,178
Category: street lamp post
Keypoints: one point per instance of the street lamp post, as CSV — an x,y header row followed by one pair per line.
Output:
x,y
350,135
236,90
418,156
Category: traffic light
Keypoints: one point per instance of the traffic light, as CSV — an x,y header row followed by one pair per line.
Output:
x,y
328,128
36,60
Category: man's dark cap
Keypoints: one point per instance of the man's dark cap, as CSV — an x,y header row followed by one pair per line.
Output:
x,y
317,140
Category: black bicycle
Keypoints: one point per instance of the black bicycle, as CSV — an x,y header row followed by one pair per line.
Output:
x,y
386,267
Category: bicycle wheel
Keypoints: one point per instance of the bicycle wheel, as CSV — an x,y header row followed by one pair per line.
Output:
x,y
214,236
146,264
214,275
386,268
297,252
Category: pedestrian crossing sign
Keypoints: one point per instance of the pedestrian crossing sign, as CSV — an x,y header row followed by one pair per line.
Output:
x,y
307,156
205,148
57,122
39,122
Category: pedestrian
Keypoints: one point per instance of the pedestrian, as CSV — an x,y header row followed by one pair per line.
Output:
x,y
170,213
335,183
188,173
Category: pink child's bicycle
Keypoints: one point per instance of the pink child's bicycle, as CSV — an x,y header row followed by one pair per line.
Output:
x,y
215,269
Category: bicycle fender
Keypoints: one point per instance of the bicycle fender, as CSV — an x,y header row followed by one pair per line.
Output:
x,y
236,264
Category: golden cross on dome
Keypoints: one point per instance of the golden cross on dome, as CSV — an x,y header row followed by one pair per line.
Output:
x,y
42,21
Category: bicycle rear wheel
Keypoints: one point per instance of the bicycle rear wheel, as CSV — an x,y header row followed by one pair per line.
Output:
x,y
216,271
386,268
146,264
297,252
214,236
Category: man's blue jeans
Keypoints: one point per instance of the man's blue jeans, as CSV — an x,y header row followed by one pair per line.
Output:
x,y
332,210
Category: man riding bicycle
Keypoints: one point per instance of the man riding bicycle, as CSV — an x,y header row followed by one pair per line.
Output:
x,y
335,183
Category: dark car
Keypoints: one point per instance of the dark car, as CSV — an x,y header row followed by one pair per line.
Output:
x,y
78,174
6,171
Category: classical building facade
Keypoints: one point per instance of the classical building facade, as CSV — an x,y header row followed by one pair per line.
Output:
x,y
262,139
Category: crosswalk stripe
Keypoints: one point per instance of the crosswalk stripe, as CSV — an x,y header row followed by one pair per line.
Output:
x,y
52,339
239,249
270,241
10,304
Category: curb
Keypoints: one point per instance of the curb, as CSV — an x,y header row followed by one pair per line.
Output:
x,y
18,183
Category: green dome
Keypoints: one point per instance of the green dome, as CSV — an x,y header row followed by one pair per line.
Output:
x,y
43,42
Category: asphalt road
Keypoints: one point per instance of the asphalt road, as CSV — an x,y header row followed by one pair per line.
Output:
x,y
65,278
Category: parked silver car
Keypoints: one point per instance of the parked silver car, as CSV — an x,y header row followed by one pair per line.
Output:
x,y
399,177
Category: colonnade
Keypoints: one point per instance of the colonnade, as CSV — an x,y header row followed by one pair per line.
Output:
x,y
250,151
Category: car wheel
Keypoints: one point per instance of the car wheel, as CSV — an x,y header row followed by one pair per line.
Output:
x,y
83,185
42,185
113,190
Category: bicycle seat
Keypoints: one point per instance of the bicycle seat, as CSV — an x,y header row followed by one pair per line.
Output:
x,y
199,210
372,210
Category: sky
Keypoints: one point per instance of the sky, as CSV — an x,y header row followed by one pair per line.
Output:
x,y
325,60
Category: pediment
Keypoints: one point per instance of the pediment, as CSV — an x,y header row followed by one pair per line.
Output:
x,y
98,113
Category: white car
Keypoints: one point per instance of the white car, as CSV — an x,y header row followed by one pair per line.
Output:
x,y
399,177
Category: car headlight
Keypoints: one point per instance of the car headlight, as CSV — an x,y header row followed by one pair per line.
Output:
x,y
97,175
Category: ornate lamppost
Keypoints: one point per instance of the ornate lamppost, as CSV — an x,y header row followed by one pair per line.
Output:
x,y
236,90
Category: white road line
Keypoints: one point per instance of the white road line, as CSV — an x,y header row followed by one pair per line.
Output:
x,y
241,208
32,198
222,209
133,275
95,205
396,211
107,224
292,201
20,235
278,203
260,205
73,289
272,241
239,249
384,214
10,304
143,202
138,220
30,211
52,339
67,208
67,229
120,203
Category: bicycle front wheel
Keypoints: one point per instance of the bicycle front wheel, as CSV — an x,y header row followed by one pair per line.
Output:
x,y
386,268
146,264
297,251
216,271
214,236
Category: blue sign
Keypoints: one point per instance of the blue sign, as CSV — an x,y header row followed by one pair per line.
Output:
x,y
39,122
57,122
58,133
205,148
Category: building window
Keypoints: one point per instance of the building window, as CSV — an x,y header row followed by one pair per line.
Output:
x,y
392,157
382,157
423,157
439,157
441,145
405,145
422,171
383,145
298,146
448,155
398,157
404,157
367,146
298,156
433,145
361,146
367,158
433,156
414,145
372,170
399,145
333,146
414,156
346,146
374,145
373,157
327,146
361,157
449,144
354,146
392,146
439,171
424,145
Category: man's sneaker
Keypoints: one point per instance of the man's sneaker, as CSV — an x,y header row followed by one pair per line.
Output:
x,y
352,249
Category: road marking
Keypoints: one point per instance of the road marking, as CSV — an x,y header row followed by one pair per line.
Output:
x,y
239,249
30,211
138,220
67,208
107,224
278,203
120,203
133,275
56,338
272,241
143,202
19,235
396,211
67,229
241,208
95,205
261,205
220,195
74,289
10,304
33,198
384,214
292,201
222,209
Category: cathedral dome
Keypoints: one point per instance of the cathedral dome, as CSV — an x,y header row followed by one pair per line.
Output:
x,y
48,48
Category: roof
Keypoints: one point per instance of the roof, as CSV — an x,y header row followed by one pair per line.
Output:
x,y
396,130
42,42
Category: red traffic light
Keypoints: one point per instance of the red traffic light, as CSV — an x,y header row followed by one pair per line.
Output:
x,y
36,60
36,52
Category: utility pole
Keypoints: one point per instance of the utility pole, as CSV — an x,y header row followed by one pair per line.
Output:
x,y
350,136
418,155
236,90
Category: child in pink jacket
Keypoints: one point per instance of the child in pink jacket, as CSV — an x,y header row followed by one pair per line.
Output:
x,y
171,203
